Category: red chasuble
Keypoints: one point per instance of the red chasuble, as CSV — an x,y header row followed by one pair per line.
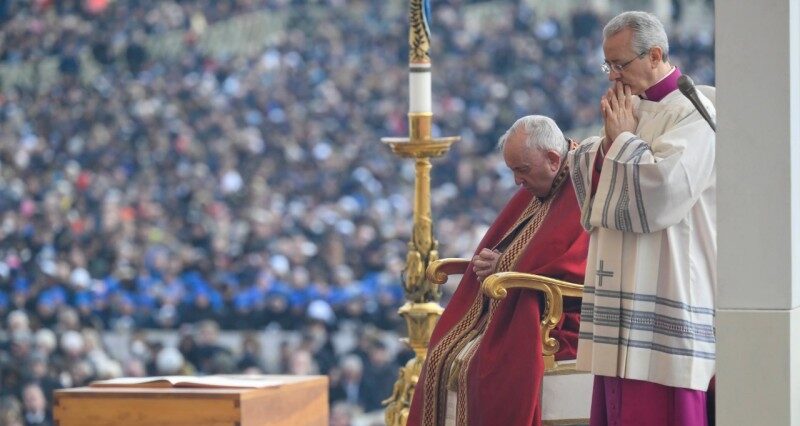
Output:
x,y
504,376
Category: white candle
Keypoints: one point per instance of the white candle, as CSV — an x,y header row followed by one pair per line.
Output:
x,y
419,88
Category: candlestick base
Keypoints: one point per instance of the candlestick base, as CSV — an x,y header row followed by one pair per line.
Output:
x,y
420,148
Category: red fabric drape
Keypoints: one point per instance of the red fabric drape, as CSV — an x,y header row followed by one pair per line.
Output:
x,y
505,375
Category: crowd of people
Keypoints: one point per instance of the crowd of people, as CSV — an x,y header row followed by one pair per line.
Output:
x,y
252,190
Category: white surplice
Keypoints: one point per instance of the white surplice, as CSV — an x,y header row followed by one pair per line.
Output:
x,y
648,304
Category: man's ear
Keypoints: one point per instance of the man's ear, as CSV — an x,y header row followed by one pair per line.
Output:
x,y
553,160
656,55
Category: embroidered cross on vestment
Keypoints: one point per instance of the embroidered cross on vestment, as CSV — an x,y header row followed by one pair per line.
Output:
x,y
603,274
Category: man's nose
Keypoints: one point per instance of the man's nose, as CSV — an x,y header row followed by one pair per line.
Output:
x,y
613,75
517,180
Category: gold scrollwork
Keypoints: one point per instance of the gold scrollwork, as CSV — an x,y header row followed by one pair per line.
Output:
x,y
398,404
414,269
423,232
421,252
496,286
418,34
439,269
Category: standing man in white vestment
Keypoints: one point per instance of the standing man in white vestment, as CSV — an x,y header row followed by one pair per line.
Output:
x,y
646,189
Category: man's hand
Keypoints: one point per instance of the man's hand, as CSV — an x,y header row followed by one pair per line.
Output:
x,y
618,113
485,262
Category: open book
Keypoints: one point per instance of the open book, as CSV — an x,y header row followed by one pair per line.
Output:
x,y
218,381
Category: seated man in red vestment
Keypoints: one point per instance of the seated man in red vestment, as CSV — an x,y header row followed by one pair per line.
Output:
x,y
484,364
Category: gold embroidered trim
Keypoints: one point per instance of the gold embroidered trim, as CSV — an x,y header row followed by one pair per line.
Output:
x,y
436,365
462,408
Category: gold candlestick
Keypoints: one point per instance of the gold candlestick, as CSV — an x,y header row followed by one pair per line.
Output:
x,y
421,310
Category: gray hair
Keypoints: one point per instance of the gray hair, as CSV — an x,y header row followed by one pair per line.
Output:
x,y
648,31
541,132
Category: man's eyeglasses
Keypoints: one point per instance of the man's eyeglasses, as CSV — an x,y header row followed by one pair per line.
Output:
x,y
607,67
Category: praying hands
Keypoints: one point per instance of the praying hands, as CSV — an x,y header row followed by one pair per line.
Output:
x,y
616,106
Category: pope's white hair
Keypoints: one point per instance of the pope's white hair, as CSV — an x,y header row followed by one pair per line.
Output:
x,y
540,132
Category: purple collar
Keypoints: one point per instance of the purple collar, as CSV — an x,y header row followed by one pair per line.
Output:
x,y
664,87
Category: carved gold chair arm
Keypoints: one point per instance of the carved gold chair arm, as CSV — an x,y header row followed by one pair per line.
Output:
x,y
439,270
496,286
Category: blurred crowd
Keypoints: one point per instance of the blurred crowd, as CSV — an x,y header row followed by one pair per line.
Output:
x,y
251,191
35,362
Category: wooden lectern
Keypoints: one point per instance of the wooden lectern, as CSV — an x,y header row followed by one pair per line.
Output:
x,y
288,400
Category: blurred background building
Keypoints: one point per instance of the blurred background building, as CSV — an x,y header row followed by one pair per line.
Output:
x,y
197,187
